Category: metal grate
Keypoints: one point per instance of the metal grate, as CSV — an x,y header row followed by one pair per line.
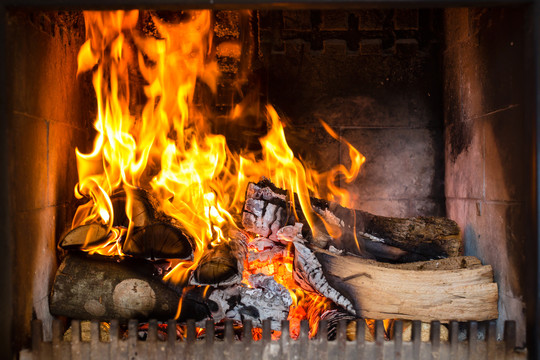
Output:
x,y
284,348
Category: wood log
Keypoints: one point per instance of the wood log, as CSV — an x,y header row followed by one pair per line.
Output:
x,y
85,236
159,241
449,289
267,209
223,264
142,205
155,235
94,287
102,288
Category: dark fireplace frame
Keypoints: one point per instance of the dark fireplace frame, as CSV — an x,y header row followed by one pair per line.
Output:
x,y
532,283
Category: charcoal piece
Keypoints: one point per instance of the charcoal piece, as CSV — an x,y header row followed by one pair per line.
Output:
x,y
159,241
223,264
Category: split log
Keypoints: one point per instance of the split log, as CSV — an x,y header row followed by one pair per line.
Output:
x,y
267,209
142,205
95,287
449,289
158,241
223,264
155,235
85,236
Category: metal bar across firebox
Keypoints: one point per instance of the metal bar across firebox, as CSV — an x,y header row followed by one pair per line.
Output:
x,y
284,348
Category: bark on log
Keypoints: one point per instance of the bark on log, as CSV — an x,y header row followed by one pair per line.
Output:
x,y
99,288
155,235
268,208
96,287
449,289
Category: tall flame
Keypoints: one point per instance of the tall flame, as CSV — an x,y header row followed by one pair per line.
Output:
x,y
164,144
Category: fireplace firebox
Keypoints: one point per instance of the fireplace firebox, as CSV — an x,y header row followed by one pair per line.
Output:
x,y
443,102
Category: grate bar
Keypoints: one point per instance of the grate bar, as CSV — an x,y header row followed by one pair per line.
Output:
x,y
474,347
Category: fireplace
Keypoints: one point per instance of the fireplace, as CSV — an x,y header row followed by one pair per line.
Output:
x,y
440,101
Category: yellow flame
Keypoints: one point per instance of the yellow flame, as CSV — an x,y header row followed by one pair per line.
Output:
x,y
165,143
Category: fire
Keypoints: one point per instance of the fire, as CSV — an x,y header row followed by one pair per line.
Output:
x,y
165,144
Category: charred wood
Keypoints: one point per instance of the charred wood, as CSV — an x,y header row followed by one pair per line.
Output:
x,y
266,299
267,209
158,241
100,288
223,264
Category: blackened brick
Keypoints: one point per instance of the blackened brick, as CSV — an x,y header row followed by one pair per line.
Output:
x,y
370,19
297,20
370,46
335,20
406,19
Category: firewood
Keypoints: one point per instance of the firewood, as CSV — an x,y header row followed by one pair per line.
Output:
x,y
267,209
104,288
449,289
159,241
143,207
85,236
153,235
223,264
100,288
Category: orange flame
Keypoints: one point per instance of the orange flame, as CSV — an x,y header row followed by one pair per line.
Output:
x,y
165,143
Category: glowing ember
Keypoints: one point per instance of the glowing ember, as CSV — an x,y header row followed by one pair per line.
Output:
x,y
166,147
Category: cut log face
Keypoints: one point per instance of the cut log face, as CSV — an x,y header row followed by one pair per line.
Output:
x,y
84,236
158,241
449,289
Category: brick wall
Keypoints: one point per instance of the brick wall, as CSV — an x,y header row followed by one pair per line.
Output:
x,y
49,114
488,142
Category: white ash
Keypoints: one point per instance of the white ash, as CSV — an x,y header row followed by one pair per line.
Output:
x,y
256,304
264,253
371,237
290,233
329,217
309,275
261,281
255,191
262,218
335,250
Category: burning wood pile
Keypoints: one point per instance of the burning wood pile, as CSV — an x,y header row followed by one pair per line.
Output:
x,y
177,225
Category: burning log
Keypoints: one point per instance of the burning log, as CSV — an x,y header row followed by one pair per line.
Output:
x,y
91,288
459,288
158,241
267,209
223,264
155,235
101,288
142,205
88,235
